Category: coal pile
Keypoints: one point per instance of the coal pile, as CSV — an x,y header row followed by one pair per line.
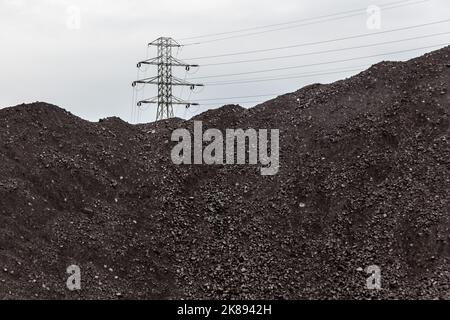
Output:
x,y
364,180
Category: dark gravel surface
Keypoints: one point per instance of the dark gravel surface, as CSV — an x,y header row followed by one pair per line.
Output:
x,y
364,180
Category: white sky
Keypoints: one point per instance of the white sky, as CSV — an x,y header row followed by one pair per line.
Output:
x,y
89,70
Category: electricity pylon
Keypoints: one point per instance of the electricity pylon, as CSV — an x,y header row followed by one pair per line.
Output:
x,y
165,80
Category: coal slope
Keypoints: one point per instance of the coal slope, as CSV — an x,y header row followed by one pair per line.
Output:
x,y
363,180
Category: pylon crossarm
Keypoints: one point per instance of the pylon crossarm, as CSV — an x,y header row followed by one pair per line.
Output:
x,y
156,62
153,61
178,101
184,103
179,63
170,83
178,82
169,42
187,84
146,80
174,101
151,100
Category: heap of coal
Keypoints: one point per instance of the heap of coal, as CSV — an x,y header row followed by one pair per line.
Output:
x,y
364,180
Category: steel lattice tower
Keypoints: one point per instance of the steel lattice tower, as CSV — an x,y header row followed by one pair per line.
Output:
x,y
165,80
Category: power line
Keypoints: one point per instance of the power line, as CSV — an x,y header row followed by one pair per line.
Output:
x,y
237,102
273,94
241,97
321,63
283,23
281,78
323,41
303,24
325,51
292,76
289,75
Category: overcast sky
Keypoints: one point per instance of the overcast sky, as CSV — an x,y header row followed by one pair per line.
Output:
x,y
81,55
